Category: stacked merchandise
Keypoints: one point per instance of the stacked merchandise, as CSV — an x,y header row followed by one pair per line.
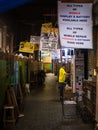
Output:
x,y
89,100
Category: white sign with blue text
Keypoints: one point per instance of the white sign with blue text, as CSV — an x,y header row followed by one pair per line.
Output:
x,y
75,25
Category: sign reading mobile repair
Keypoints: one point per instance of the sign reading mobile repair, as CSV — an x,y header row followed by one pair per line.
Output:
x,y
75,25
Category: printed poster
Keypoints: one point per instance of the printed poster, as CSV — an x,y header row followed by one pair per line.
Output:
x,y
49,38
75,25
36,41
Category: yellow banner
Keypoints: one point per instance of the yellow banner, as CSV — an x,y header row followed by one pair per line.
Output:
x,y
46,28
26,47
47,25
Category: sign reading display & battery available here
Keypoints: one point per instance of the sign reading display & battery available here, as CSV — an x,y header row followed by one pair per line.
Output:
x,y
75,25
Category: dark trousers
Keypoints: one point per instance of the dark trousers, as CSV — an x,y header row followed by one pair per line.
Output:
x,y
61,88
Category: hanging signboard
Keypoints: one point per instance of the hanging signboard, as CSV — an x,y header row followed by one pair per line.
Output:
x,y
75,24
35,39
49,38
27,47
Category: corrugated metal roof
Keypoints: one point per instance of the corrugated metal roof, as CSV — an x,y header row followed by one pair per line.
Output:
x,y
10,4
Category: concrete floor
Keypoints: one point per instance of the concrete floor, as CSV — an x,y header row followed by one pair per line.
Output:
x,y
43,111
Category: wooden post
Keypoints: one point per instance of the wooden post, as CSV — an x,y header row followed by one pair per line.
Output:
x,y
11,44
0,37
40,56
61,55
96,115
73,73
4,37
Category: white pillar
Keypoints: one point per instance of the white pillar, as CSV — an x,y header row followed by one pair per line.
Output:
x,y
73,73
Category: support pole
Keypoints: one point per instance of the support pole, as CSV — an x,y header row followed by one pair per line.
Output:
x,y
96,115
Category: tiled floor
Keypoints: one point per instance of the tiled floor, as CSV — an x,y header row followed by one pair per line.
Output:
x,y
43,111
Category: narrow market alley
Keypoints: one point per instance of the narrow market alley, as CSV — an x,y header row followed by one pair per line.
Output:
x,y
43,110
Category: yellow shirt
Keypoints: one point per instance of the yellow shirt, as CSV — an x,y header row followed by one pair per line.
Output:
x,y
62,75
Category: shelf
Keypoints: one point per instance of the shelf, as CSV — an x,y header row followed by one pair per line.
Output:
x,y
89,97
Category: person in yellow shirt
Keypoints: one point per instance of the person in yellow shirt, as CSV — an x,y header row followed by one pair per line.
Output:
x,y
61,80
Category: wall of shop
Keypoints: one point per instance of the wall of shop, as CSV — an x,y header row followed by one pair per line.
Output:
x,y
4,79
9,75
15,71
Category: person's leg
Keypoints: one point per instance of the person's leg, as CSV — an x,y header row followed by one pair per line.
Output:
x,y
61,91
